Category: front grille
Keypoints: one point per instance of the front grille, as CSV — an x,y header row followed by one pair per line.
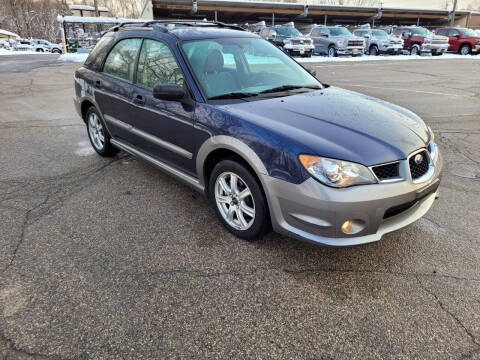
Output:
x,y
418,166
439,41
388,171
355,42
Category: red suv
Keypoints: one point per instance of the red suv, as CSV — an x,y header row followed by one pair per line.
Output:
x,y
461,40
418,40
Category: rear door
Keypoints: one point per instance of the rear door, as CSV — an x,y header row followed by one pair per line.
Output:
x,y
166,127
114,86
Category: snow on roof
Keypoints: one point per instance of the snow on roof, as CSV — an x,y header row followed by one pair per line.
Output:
x,y
87,8
95,20
8,33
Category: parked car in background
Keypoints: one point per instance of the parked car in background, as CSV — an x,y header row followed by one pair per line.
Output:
x,y
4,44
336,40
379,42
418,40
50,47
461,40
264,140
24,45
289,39
478,32
38,47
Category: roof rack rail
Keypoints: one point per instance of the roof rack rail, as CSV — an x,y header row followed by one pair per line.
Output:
x,y
193,23
117,27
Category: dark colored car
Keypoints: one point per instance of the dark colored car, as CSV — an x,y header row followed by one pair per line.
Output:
x,y
461,40
418,40
288,39
234,117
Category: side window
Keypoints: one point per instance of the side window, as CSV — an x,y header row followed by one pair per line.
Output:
x,y
452,32
315,32
441,32
157,65
121,59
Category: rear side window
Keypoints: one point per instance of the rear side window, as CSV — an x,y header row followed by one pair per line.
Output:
x,y
121,59
442,32
157,65
101,45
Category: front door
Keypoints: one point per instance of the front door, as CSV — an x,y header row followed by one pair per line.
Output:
x,y
166,127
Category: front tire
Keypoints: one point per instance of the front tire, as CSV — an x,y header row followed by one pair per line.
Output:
x,y
415,50
373,51
465,49
331,51
98,134
238,200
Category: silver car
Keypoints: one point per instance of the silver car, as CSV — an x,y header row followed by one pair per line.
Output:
x,y
336,40
379,42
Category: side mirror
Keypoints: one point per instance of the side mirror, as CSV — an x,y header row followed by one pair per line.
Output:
x,y
324,35
170,92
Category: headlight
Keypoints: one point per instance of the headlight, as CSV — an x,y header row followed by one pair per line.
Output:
x,y
336,173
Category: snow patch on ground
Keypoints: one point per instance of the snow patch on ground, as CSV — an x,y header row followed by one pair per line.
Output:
x,y
317,59
74,57
84,148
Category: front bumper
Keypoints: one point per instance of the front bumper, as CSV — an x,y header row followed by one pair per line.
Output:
x,y
476,48
314,212
299,48
351,50
434,47
391,48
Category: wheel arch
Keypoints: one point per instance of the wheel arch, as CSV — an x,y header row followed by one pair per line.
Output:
x,y
463,44
86,104
222,146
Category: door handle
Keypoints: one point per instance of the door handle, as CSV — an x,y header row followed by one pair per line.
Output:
x,y
98,84
139,100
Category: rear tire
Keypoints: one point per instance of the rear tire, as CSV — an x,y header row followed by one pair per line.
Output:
x,y
238,200
98,134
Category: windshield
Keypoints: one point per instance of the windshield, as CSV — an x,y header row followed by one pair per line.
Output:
x,y
420,31
243,65
468,32
338,31
379,34
288,31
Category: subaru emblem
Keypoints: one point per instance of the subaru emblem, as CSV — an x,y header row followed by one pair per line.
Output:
x,y
418,159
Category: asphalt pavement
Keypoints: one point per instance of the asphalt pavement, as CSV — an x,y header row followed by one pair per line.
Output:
x,y
112,259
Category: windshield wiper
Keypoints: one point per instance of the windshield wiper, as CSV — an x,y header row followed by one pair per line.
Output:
x,y
232,95
289,87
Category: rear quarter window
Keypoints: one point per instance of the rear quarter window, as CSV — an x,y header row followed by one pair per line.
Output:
x,y
94,59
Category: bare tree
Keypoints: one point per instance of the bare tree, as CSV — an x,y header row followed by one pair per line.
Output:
x,y
31,18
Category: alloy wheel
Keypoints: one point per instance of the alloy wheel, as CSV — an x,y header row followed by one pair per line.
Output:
x,y
234,201
95,130
331,52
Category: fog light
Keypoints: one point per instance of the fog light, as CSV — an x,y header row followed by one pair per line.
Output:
x,y
353,226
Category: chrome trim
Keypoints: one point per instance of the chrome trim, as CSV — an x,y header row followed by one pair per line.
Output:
x,y
392,180
431,168
190,180
165,144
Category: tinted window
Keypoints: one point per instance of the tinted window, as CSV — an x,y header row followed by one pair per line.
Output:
x,y
288,31
442,32
468,32
339,31
420,31
157,65
121,59
452,32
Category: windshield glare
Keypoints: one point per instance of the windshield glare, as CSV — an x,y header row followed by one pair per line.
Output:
x,y
288,31
246,65
468,32
338,31
420,31
379,33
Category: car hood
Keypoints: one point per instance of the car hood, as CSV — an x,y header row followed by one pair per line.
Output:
x,y
338,123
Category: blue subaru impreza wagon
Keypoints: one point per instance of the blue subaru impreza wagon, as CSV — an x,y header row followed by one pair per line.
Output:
x,y
234,117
